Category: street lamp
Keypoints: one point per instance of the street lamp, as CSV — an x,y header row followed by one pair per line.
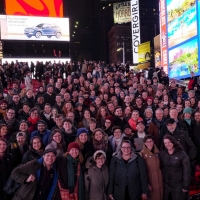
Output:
x,y
122,48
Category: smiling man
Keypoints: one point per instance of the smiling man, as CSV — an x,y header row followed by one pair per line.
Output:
x,y
38,178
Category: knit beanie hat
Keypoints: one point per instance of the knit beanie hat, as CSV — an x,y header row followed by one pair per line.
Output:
x,y
111,118
187,110
81,130
99,151
73,145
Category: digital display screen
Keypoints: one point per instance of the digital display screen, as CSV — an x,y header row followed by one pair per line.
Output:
x,y
35,28
42,8
182,37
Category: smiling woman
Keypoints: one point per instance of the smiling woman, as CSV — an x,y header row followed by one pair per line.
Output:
x,y
126,162
70,173
175,168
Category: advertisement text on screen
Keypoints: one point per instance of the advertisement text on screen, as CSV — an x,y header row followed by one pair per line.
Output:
x,y
163,27
135,23
122,12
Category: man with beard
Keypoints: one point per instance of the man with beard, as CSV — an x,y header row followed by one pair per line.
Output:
x,y
118,117
42,132
3,108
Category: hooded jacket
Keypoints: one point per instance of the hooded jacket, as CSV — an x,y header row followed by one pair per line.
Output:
x,y
96,181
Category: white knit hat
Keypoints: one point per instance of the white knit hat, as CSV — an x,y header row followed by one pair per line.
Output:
x,y
99,151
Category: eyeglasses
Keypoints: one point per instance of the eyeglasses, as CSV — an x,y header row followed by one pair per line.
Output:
x,y
127,148
11,113
117,131
100,158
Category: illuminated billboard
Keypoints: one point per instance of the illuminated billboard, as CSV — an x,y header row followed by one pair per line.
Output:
x,y
180,37
144,52
122,12
42,8
35,28
135,28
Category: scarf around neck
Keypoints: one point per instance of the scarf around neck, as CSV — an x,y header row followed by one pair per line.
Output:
x,y
188,121
48,116
71,162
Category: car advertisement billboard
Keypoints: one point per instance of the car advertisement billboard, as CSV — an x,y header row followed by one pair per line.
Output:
x,y
35,28
122,12
181,37
42,8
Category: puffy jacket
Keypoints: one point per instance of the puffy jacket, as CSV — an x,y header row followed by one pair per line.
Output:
x,y
175,168
132,174
185,141
96,181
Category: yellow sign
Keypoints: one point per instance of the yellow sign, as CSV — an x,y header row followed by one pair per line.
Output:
x,y
144,53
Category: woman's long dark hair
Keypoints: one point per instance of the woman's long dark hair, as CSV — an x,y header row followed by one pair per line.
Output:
x,y
31,143
172,140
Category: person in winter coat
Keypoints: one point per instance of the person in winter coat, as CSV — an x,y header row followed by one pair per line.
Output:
x,y
46,115
128,178
182,137
35,151
196,135
6,166
57,142
116,139
42,132
19,148
71,177
29,98
10,121
96,177
28,81
24,112
33,120
150,154
82,138
69,131
175,166
38,178
100,142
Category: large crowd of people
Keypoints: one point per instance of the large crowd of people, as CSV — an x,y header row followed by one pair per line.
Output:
x,y
94,131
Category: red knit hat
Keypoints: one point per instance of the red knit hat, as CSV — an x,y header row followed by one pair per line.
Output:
x,y
73,145
111,118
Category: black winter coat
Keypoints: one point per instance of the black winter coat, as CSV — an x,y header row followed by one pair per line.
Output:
x,y
31,154
6,166
22,115
50,122
176,173
132,174
17,155
185,141
196,140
